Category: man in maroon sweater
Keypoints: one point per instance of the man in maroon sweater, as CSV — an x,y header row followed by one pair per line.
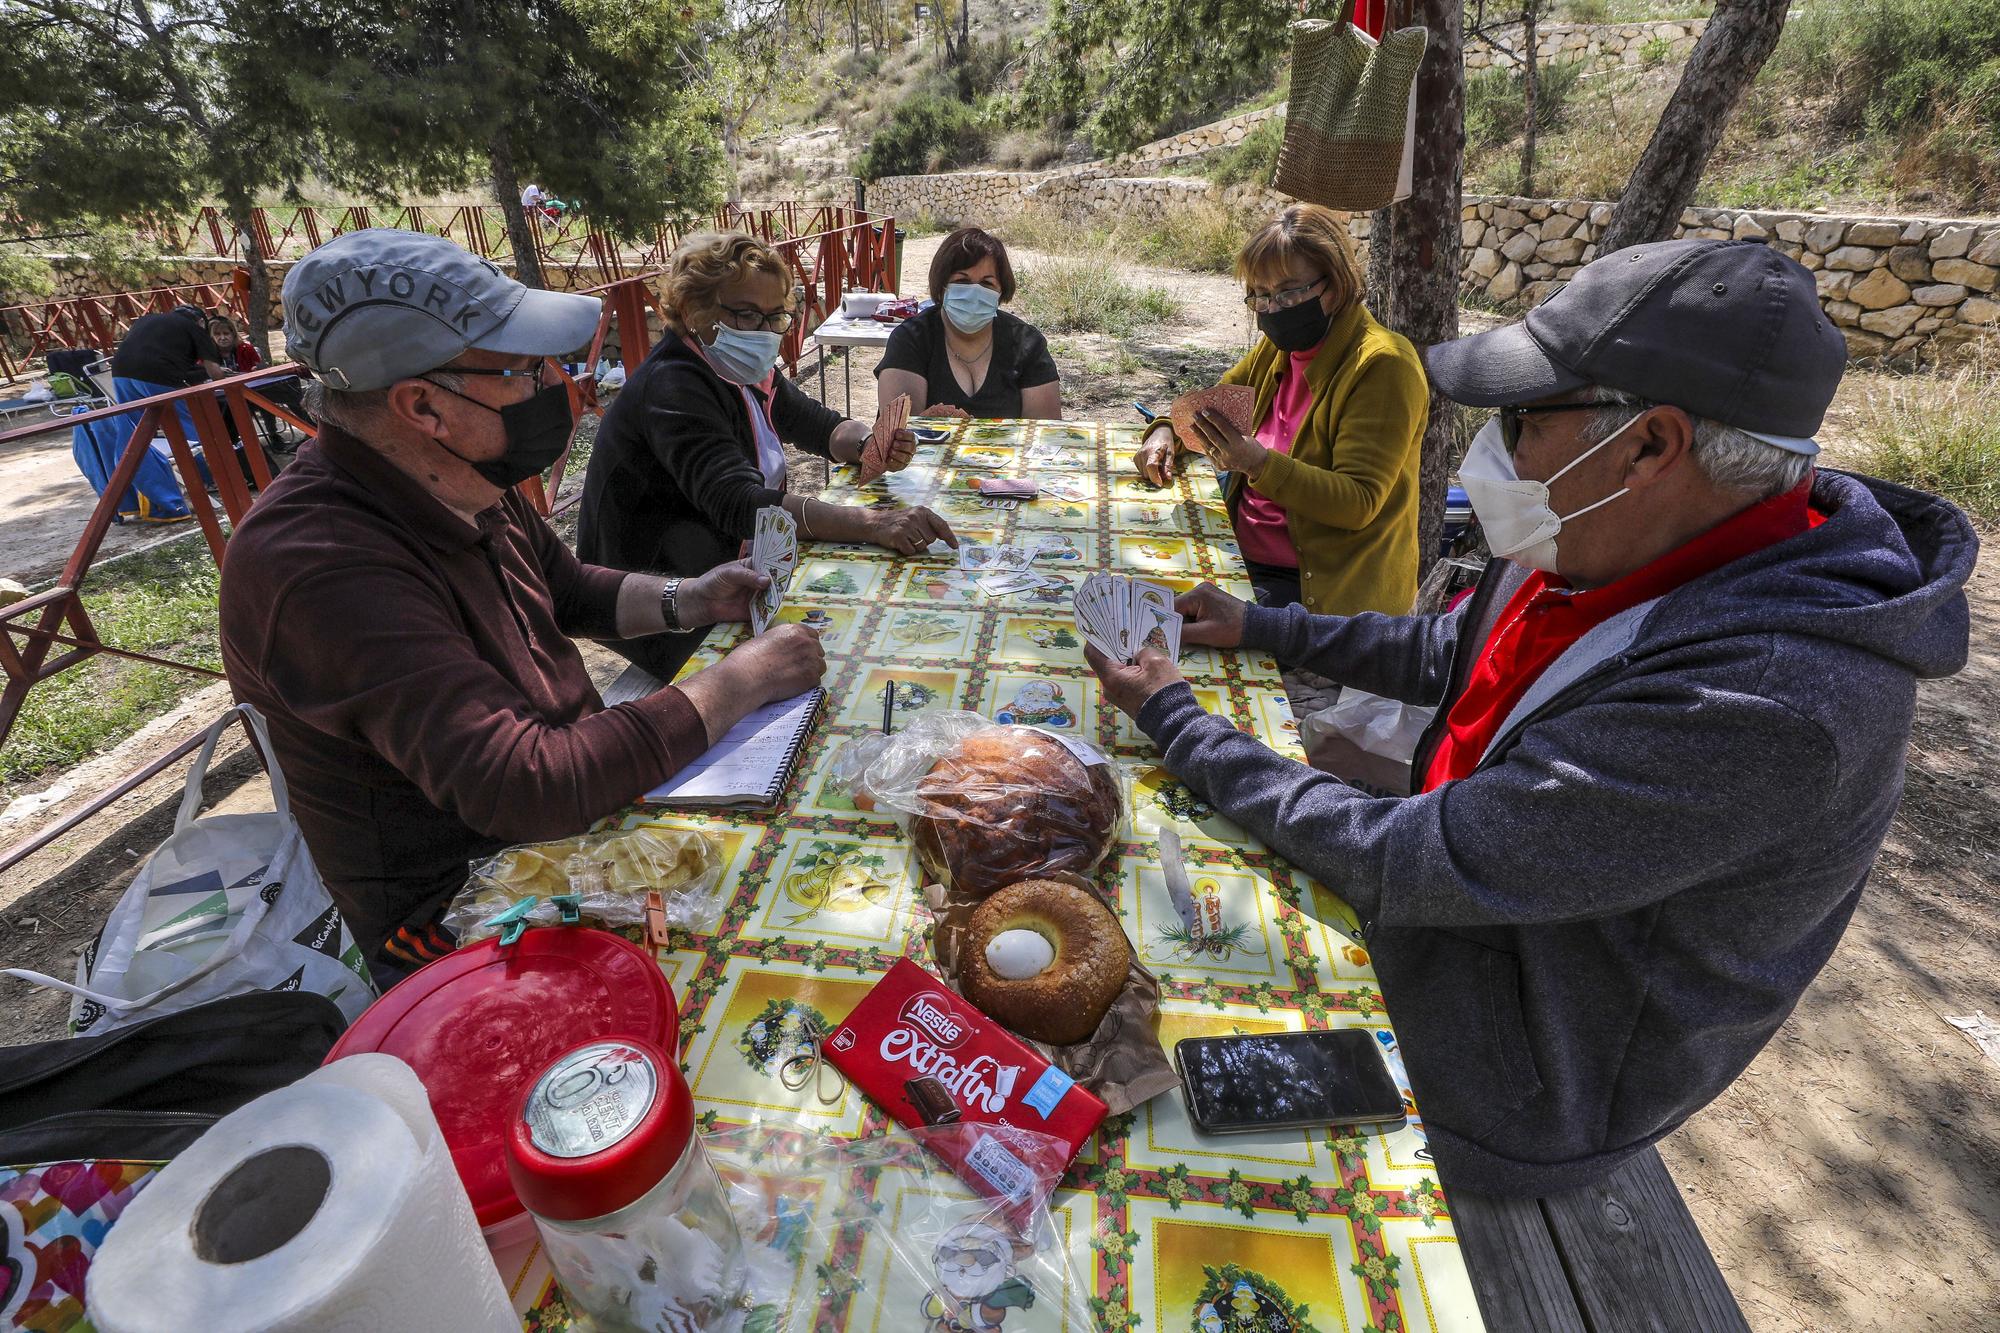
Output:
x,y
403,617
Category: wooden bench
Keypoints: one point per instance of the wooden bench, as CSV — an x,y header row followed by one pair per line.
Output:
x,y
1617,1257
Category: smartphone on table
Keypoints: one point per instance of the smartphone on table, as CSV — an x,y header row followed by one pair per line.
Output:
x,y
1281,1080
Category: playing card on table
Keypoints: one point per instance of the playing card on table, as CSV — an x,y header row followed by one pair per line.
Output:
x,y
999,503
1005,582
977,555
1005,488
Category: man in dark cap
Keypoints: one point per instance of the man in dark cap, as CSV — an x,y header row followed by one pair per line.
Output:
x,y
1670,723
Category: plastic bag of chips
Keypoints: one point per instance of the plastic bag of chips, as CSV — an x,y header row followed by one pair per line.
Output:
x,y
611,873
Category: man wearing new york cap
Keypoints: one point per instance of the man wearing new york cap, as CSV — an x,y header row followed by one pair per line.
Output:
x,y
403,617
1670,722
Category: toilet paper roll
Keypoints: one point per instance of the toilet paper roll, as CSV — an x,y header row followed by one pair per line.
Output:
x,y
330,1205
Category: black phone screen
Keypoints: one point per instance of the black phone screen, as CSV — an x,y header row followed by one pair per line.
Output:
x,y
1287,1078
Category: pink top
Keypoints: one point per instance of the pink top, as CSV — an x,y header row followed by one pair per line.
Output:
x,y
1260,522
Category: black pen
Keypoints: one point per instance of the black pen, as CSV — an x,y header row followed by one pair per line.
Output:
x,y
889,708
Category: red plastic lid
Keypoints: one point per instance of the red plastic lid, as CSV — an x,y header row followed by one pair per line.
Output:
x,y
598,1128
480,1026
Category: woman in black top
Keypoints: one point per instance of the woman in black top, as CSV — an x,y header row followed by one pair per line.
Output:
x,y
690,449
965,356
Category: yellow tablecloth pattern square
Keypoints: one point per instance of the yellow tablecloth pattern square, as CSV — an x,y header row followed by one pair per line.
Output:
x,y
1171,1232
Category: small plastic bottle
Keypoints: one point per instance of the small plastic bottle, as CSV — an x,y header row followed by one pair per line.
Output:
x,y
604,1156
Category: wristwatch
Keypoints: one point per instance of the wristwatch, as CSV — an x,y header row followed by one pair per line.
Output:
x,y
670,611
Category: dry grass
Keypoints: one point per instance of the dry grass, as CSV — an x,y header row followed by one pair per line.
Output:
x,y
1087,295
1940,433
1202,237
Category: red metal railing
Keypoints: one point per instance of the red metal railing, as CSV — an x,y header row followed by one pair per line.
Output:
x,y
98,321
567,246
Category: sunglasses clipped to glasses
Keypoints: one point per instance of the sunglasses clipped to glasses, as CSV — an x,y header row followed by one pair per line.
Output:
x,y
1512,415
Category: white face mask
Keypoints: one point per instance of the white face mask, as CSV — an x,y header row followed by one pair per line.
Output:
x,y
1513,512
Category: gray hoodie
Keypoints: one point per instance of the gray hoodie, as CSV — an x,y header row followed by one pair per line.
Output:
x,y
1584,941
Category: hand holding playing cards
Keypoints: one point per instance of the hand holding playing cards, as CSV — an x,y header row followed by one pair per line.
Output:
x,y
1128,685
948,410
902,448
723,593
1211,617
1216,437
907,531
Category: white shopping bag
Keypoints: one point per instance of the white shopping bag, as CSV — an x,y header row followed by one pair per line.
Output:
x,y
228,904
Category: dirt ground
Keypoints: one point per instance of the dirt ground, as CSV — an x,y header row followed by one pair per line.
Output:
x,y
1849,1180
48,502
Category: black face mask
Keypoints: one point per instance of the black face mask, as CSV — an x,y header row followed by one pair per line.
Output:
x,y
1296,328
538,430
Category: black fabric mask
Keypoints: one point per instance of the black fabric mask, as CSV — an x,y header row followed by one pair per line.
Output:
x,y
538,430
1296,328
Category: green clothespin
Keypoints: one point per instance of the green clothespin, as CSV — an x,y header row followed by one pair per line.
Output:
x,y
513,921
570,905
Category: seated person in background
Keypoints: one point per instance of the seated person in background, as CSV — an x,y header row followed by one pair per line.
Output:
x,y
965,356
1671,721
402,616
238,355
693,446
1324,496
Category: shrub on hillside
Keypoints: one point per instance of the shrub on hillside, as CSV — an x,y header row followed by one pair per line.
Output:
x,y
927,132
1496,101
1252,160
25,278
1925,73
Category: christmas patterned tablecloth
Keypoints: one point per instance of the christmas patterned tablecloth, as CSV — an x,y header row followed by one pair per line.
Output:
x,y
1168,1231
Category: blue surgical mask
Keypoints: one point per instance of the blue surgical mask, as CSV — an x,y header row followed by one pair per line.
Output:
x,y
743,357
969,306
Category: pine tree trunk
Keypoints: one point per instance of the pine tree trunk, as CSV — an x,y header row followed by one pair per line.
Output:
x,y
1739,38
732,156
1423,254
1531,38
1381,281
260,279
507,193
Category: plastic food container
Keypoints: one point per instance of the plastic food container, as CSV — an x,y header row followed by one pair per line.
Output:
x,y
480,1026
603,1154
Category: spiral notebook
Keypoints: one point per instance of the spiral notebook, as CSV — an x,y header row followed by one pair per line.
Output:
x,y
750,765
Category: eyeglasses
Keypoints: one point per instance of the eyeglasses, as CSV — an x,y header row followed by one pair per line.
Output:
x,y
748,319
1512,415
1285,300
545,375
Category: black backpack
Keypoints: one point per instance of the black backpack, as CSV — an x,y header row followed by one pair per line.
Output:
x,y
147,1091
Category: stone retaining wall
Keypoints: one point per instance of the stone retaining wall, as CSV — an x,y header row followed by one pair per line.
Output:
x,y
1597,44
1896,288
1904,289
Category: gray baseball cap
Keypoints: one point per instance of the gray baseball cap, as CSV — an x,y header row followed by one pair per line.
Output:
x,y
372,307
1728,330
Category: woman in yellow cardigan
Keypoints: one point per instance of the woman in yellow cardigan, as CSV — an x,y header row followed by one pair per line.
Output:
x,y
1324,496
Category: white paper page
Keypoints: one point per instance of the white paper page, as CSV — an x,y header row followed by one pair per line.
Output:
x,y
746,763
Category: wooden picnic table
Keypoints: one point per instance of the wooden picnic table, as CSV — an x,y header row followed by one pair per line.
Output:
x,y
1168,1230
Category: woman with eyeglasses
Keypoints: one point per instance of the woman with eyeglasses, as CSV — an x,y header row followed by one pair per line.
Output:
x,y
965,356
1323,496
693,446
